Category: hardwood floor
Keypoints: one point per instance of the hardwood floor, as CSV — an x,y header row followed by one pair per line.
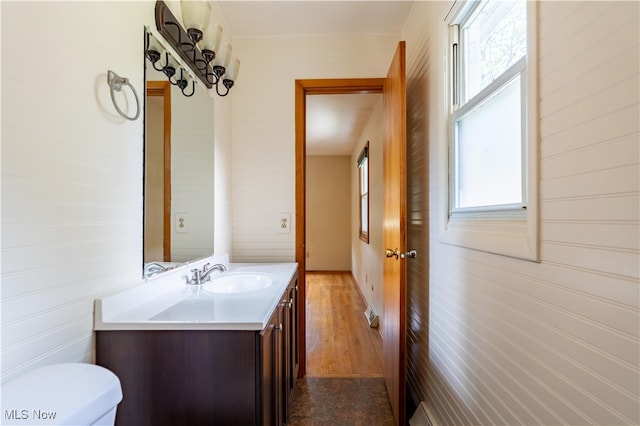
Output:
x,y
340,342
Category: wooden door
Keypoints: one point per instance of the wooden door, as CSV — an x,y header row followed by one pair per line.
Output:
x,y
394,233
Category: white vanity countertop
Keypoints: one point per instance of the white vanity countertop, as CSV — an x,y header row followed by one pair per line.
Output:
x,y
166,302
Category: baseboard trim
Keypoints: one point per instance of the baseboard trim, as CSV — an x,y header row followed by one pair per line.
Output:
x,y
359,290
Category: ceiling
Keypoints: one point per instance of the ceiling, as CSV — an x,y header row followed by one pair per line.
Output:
x,y
278,18
334,122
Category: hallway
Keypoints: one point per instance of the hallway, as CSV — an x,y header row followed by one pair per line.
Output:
x,y
344,383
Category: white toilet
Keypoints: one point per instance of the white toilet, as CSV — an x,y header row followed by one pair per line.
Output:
x,y
62,394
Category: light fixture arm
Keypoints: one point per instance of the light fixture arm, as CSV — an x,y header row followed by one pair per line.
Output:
x,y
226,83
153,55
213,76
168,69
182,83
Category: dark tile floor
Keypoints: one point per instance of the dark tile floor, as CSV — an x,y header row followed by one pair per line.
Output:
x,y
341,402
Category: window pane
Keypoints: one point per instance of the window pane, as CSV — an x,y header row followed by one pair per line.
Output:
x,y
364,176
495,38
364,209
489,151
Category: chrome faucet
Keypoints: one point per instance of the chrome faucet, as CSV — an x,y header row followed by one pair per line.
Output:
x,y
201,276
153,268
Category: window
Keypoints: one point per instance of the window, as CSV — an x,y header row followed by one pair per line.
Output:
x,y
363,185
492,158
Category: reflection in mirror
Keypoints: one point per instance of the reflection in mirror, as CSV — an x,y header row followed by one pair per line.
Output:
x,y
178,172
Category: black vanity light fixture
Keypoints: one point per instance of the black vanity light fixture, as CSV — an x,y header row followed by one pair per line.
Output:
x,y
199,46
168,66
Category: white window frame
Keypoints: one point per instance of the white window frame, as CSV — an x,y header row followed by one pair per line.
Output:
x,y
510,230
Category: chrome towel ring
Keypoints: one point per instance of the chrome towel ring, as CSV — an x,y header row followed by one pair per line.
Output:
x,y
115,84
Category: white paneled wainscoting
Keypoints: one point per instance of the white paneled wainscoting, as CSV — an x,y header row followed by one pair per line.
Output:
x,y
71,174
497,340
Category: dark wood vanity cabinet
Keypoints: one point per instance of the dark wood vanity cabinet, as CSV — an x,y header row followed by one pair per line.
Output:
x,y
206,377
280,359
271,353
291,349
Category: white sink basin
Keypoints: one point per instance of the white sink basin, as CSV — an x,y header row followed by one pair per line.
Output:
x,y
239,282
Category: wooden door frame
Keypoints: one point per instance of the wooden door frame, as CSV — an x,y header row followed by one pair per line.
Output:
x,y
302,89
163,88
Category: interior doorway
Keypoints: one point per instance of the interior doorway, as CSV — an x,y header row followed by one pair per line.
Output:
x,y
338,127
343,268
157,178
306,88
393,88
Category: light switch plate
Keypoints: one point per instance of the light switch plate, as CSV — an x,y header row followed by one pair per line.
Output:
x,y
181,222
284,225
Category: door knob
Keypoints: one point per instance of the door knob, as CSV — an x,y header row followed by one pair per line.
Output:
x,y
411,254
389,253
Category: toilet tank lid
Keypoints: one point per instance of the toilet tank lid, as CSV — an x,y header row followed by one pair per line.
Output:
x,y
64,394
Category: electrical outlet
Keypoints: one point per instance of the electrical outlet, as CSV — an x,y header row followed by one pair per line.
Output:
x,y
285,223
181,222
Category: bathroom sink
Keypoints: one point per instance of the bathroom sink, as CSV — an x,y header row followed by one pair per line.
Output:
x,y
239,282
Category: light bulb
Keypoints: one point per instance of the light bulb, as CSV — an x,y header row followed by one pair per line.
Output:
x,y
224,56
232,70
195,17
212,38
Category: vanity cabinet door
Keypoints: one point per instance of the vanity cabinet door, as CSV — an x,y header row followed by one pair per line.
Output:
x,y
271,380
290,345
295,350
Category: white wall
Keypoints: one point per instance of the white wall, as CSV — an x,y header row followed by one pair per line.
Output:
x,y
518,342
263,157
328,222
366,258
71,173
222,159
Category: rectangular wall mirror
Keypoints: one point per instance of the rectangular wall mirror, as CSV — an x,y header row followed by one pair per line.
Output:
x,y
178,167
